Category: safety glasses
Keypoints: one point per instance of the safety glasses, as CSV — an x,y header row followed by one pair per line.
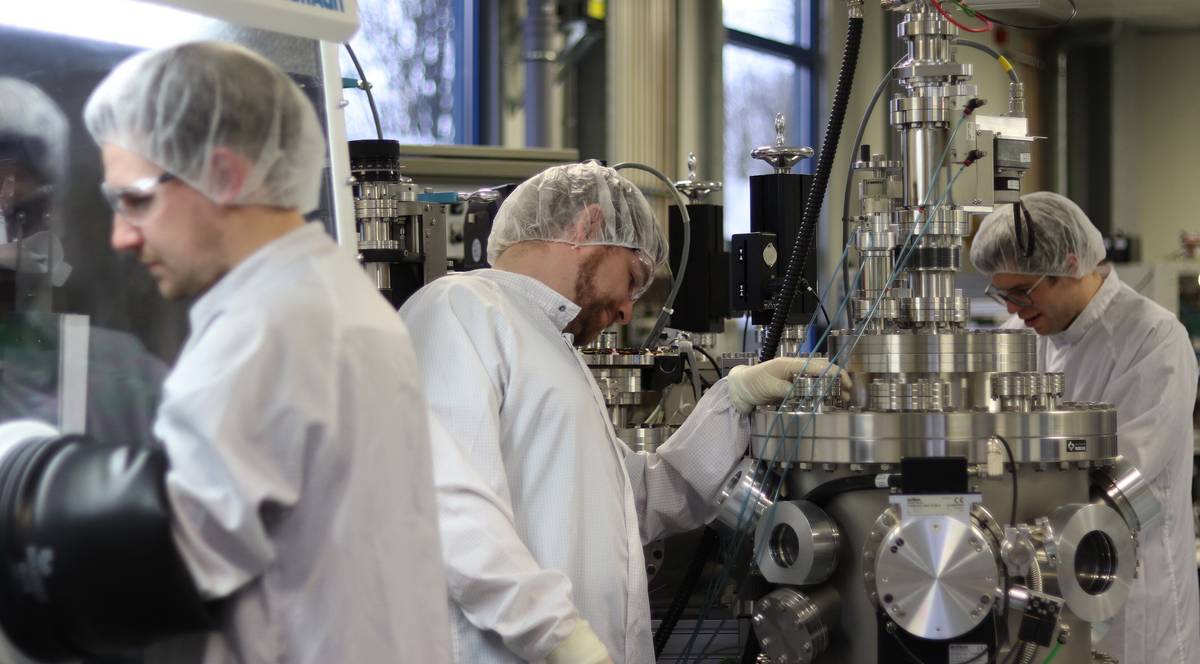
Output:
x,y
1016,297
133,202
642,274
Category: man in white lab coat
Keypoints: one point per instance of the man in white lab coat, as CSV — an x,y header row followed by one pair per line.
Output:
x,y
299,485
1119,347
543,510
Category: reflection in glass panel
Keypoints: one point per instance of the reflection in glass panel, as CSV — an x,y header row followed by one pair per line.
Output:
x,y
85,338
407,51
773,19
757,86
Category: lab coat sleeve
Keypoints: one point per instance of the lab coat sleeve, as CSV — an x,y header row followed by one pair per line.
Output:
x,y
674,488
492,576
1150,394
222,415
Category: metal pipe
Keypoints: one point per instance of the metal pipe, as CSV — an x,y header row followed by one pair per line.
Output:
x,y
541,22
922,148
932,284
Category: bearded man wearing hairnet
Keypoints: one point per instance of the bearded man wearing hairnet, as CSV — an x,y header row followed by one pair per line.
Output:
x,y
1119,347
543,511
296,483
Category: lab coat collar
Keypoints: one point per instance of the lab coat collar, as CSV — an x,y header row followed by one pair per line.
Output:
x,y
280,251
559,309
1093,312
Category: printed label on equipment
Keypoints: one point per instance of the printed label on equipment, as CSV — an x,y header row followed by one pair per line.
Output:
x,y
967,653
954,505
1014,185
1076,445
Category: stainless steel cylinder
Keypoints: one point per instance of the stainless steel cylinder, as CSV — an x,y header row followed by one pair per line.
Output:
x,y
793,626
932,284
876,273
380,274
644,438
922,152
1123,488
746,495
1090,561
930,48
797,544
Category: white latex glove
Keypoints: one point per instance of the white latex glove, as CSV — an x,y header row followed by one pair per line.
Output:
x,y
769,382
581,647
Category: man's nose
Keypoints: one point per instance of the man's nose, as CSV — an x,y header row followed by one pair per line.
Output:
x,y
1012,308
124,236
625,312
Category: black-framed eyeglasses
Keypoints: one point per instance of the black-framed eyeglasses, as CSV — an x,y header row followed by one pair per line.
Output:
x,y
1017,297
133,201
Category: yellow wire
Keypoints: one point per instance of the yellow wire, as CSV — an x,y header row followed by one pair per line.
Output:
x,y
1005,64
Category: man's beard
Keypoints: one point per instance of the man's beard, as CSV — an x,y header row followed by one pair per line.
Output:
x,y
590,321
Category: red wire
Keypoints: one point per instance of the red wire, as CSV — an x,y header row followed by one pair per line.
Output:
x,y
987,24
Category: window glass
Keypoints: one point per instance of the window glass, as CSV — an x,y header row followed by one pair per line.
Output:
x,y
409,54
757,86
772,19
85,337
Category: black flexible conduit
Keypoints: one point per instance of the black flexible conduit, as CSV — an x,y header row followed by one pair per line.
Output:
x,y
708,545
816,195
822,494
753,649
812,208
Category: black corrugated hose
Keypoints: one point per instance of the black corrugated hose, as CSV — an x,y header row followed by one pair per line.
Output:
x,y
816,195
708,545
812,208
752,650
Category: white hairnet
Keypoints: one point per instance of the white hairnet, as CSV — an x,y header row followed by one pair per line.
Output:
x,y
1060,230
553,206
175,106
34,127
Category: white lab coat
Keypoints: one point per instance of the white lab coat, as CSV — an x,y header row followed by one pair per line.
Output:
x,y
547,522
1126,350
301,478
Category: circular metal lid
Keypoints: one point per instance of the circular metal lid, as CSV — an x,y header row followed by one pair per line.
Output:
x,y
936,576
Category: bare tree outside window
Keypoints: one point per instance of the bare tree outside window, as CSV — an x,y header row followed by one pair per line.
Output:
x,y
408,53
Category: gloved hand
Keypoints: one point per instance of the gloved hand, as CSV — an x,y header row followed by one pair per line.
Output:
x,y
769,382
581,647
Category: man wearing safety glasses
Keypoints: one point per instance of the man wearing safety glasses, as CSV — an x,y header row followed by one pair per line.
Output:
x,y
1119,347
288,513
543,510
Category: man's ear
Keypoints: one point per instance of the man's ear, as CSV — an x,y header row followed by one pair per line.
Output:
x,y
589,225
228,172
1072,262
